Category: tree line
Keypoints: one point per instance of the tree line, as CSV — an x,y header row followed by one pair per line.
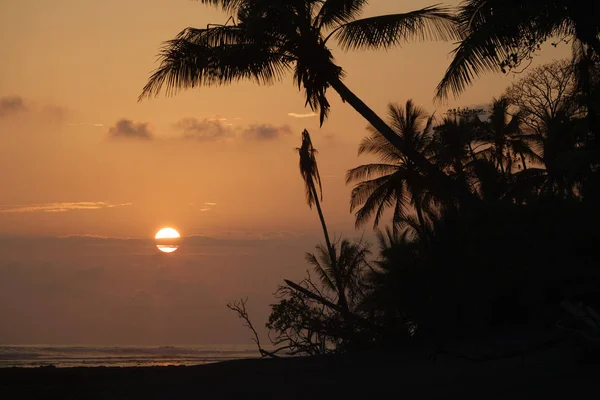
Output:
x,y
492,211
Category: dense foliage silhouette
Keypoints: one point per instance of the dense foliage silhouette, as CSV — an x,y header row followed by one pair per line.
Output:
x,y
445,271
493,210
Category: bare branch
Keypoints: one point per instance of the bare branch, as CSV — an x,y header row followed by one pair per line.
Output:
x,y
240,308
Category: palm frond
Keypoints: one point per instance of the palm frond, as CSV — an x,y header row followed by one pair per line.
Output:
x,y
430,23
336,12
521,147
385,239
215,36
408,122
497,33
410,224
376,144
398,214
369,170
376,196
534,144
323,275
513,127
214,56
363,190
229,6
315,69
480,52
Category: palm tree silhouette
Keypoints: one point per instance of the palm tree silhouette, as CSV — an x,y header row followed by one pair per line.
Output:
x,y
397,181
563,160
350,263
312,179
268,39
497,35
507,140
455,143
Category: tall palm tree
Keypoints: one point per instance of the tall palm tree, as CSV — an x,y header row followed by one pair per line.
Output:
x,y
312,180
397,181
500,34
269,38
507,140
455,143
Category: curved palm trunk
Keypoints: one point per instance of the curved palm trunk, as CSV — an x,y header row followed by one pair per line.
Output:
x,y
442,182
339,283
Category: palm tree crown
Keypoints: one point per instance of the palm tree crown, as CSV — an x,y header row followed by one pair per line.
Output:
x,y
309,170
349,267
268,38
508,142
499,34
396,182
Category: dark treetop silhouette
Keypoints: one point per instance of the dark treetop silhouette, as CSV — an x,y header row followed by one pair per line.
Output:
x,y
498,35
395,182
265,39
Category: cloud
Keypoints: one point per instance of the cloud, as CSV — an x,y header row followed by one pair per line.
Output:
x,y
82,236
60,207
210,204
126,128
54,112
11,104
204,209
265,132
215,129
85,124
306,115
206,130
250,236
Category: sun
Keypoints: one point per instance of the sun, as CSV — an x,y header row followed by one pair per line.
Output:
x,y
167,233
167,240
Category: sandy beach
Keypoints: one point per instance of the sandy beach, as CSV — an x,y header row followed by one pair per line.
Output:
x,y
551,374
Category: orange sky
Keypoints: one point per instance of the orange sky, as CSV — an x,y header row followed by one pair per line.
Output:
x,y
79,67
216,162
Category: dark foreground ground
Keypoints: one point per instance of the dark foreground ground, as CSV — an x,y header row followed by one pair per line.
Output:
x,y
556,374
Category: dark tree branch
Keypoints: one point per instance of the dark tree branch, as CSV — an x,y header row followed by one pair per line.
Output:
x,y
240,308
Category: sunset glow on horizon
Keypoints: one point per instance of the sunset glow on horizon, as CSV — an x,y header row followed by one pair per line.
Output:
x,y
128,220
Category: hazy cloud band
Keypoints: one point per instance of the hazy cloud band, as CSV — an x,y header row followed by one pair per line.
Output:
x,y
60,207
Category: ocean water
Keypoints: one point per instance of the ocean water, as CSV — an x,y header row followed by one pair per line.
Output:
x,y
120,356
